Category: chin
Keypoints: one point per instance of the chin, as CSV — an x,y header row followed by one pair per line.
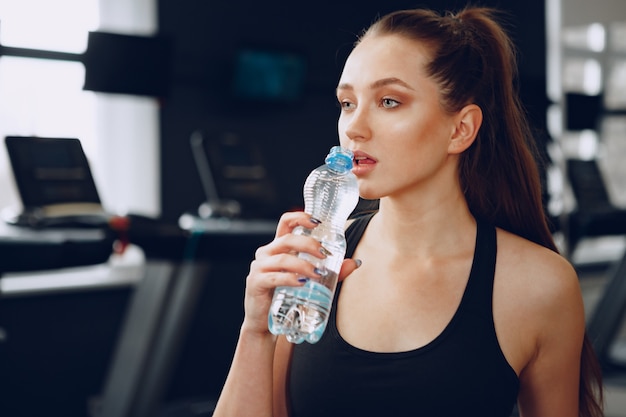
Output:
x,y
366,194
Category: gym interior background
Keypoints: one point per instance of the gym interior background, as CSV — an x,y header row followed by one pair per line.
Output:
x,y
58,349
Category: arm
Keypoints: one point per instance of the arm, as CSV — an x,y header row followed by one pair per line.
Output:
x,y
549,383
255,385
282,359
248,387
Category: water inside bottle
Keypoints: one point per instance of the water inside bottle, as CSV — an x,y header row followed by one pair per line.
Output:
x,y
301,313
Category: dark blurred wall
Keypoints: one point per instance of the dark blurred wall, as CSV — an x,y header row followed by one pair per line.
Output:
x,y
294,138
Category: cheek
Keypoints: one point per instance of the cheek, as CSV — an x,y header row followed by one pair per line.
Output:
x,y
341,131
408,135
428,134
343,139
417,145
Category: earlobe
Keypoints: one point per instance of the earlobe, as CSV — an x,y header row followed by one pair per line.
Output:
x,y
468,121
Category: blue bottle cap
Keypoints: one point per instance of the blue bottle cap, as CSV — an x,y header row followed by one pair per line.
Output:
x,y
339,159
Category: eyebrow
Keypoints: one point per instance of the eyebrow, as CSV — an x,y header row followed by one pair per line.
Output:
x,y
378,83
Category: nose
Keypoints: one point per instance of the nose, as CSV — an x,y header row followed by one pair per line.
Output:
x,y
355,124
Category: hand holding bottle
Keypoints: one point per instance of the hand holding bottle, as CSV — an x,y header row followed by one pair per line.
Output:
x,y
277,264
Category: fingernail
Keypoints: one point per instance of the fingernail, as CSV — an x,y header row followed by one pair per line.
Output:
x,y
325,251
303,279
315,221
320,272
358,262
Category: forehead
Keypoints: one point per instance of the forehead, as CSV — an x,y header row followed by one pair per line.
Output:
x,y
388,55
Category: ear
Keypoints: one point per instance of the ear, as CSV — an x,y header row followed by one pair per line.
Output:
x,y
467,123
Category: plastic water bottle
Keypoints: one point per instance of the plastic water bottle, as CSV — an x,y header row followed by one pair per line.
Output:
x,y
330,195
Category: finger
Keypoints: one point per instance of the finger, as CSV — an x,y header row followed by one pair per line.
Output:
x,y
276,266
293,244
347,267
290,220
271,280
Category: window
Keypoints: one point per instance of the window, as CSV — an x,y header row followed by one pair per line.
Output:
x,y
44,97
59,25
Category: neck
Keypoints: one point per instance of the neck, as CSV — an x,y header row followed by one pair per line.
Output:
x,y
435,228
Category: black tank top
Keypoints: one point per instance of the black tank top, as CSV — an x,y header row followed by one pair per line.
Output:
x,y
462,372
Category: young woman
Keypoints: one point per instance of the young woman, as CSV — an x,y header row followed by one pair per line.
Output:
x,y
462,306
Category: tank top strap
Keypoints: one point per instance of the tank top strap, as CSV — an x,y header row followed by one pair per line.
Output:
x,y
479,290
353,235
355,231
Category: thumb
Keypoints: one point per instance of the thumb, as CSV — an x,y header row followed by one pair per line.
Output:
x,y
347,267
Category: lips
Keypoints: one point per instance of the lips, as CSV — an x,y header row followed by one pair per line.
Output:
x,y
363,164
361,158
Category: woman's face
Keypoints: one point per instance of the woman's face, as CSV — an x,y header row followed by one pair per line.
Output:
x,y
392,119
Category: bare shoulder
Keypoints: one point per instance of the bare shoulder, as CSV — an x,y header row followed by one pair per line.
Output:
x,y
533,269
537,303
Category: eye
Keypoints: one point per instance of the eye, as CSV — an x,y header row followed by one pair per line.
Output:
x,y
389,103
346,105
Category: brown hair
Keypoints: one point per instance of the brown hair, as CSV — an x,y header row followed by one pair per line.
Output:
x,y
474,61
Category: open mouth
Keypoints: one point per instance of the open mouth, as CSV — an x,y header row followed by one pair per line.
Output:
x,y
361,160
